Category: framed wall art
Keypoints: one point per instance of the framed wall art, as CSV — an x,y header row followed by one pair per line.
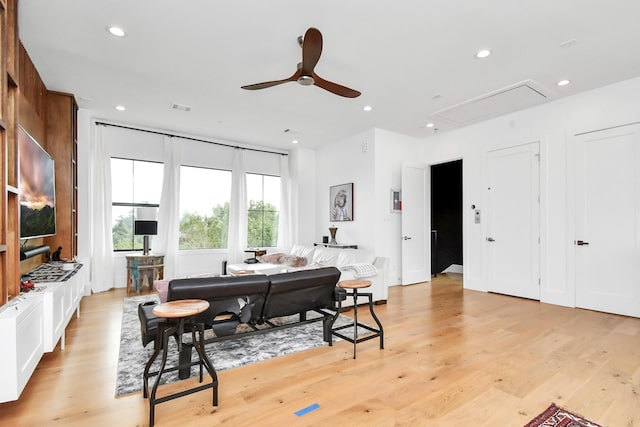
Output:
x,y
341,202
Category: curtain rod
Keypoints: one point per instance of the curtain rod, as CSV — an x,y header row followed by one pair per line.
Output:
x,y
189,138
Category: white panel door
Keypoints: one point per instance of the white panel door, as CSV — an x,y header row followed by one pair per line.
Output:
x,y
416,254
607,236
513,221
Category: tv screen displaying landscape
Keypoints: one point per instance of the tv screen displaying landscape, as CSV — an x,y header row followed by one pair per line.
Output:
x,y
36,189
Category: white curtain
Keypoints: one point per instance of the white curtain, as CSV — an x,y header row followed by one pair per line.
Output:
x,y
167,241
285,230
237,234
102,277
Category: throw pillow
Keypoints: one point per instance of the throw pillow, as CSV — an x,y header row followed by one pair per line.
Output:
x,y
294,261
272,258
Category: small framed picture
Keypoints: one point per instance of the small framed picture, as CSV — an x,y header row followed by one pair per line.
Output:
x,y
396,201
341,202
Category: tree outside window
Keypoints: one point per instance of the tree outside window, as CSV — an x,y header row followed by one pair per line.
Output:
x,y
134,184
205,195
263,194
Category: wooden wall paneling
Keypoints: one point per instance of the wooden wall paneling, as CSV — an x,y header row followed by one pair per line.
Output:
x,y
61,113
32,102
12,40
13,247
32,112
12,113
13,206
3,64
3,220
4,256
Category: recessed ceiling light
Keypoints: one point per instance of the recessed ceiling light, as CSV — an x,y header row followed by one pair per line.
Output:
x,y
563,82
430,125
116,31
367,108
483,53
295,141
120,107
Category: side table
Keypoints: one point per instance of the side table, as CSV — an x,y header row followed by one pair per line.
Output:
x,y
177,312
142,270
256,252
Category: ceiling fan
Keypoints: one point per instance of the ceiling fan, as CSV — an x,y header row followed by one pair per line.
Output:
x,y
311,50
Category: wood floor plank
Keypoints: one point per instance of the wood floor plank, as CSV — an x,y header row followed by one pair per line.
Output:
x,y
452,357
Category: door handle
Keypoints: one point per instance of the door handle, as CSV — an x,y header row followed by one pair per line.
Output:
x,y
407,238
490,239
581,243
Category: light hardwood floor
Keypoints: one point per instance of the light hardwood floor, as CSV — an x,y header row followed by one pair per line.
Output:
x,y
452,357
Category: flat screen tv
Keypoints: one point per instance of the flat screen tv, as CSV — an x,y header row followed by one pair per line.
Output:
x,y
36,189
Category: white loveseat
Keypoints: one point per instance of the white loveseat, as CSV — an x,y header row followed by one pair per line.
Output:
x,y
353,263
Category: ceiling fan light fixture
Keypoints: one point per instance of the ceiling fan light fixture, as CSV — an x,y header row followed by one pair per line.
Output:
x,y
306,80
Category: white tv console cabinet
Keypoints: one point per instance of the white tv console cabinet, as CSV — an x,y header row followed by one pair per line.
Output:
x,y
31,325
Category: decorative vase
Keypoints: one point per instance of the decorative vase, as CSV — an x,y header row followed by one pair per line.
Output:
x,y
333,231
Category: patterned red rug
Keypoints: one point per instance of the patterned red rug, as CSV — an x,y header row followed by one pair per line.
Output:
x,y
554,416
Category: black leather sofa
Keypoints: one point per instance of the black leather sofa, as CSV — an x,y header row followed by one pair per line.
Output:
x,y
252,300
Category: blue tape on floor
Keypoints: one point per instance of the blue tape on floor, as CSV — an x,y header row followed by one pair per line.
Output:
x,y
306,410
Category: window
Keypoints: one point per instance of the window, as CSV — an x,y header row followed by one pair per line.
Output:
x,y
134,184
263,194
205,195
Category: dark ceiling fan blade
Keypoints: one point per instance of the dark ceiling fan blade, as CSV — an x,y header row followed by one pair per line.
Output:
x,y
265,85
335,88
311,50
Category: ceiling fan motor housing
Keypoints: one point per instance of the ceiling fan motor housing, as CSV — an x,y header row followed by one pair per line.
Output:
x,y
305,80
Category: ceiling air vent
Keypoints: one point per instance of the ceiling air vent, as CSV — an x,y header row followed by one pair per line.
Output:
x,y
180,107
506,100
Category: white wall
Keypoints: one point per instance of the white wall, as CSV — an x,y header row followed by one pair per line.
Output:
x,y
375,171
391,151
303,175
373,162
344,162
554,126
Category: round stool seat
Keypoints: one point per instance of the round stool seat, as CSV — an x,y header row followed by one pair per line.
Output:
x,y
179,312
354,284
180,308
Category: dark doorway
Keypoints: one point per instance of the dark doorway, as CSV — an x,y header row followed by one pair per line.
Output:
x,y
446,216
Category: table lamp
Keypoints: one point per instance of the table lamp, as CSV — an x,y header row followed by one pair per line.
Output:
x,y
146,225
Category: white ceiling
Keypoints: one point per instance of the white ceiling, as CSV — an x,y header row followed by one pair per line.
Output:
x,y
410,59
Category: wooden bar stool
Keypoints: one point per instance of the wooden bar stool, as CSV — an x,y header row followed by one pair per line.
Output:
x,y
176,312
354,285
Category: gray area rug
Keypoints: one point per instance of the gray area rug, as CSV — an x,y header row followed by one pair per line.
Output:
x,y
224,355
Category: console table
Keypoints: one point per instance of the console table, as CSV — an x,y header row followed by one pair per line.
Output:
x,y
336,245
142,270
